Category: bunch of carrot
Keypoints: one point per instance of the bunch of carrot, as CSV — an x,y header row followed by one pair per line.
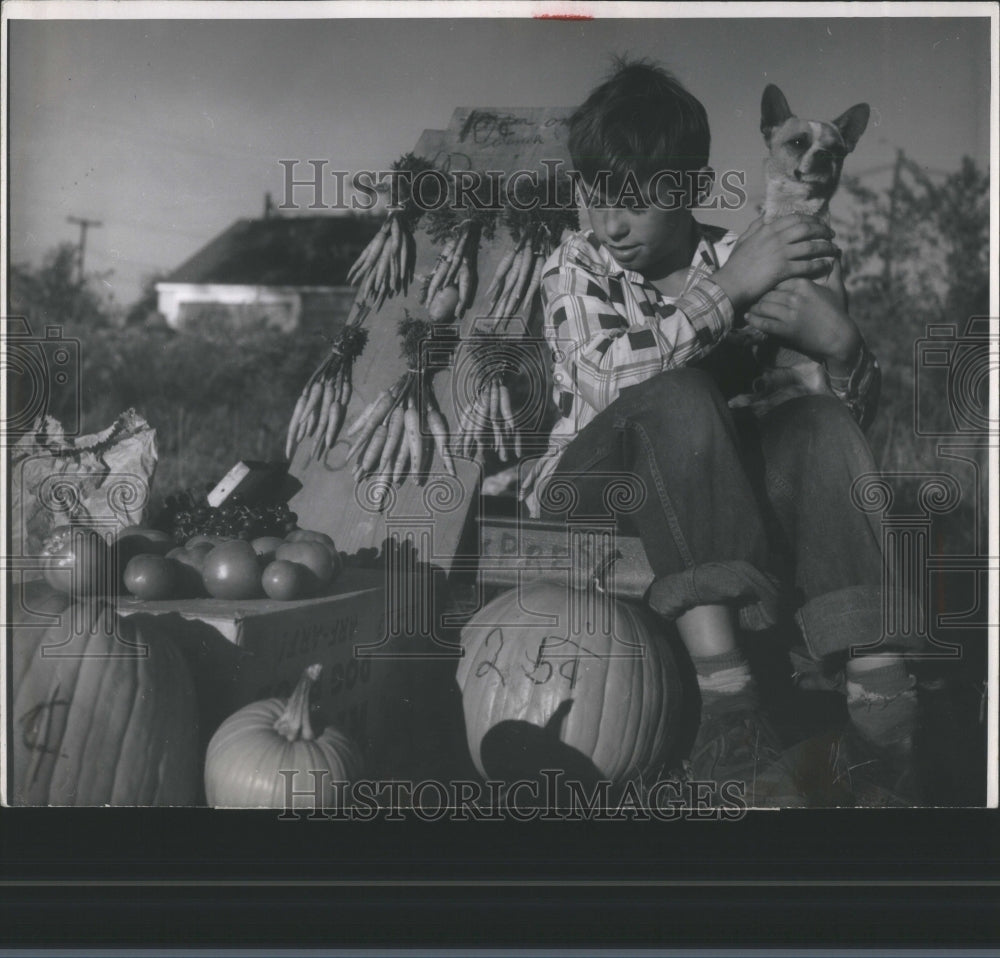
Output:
x,y
389,435
519,274
488,420
490,415
385,266
320,409
455,267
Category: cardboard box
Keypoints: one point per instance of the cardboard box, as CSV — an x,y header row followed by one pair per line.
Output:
x,y
242,651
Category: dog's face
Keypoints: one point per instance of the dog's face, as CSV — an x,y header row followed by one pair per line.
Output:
x,y
808,152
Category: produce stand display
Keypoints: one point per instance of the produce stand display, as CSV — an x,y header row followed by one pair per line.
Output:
x,y
383,642
455,642
412,632
244,651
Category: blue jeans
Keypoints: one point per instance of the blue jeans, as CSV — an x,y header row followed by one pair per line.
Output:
x,y
735,510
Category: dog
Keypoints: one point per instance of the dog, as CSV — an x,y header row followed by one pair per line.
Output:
x,y
802,172
803,167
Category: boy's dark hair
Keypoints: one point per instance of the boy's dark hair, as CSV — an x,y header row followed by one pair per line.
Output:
x,y
640,120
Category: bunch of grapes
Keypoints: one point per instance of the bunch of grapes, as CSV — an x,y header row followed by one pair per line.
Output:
x,y
186,516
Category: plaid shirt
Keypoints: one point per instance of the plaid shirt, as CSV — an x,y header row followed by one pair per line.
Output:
x,y
609,328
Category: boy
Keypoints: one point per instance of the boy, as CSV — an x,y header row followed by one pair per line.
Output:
x,y
649,291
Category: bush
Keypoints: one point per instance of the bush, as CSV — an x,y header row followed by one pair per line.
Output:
x,y
214,397
915,256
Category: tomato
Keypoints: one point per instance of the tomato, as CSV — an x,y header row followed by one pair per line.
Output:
x,y
266,546
79,562
151,577
314,556
189,564
158,542
286,580
200,549
199,539
195,558
135,541
232,571
309,535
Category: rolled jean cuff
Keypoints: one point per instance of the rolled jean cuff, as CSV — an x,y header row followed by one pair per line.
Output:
x,y
841,620
733,582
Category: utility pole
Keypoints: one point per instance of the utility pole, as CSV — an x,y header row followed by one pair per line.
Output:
x,y
897,171
84,225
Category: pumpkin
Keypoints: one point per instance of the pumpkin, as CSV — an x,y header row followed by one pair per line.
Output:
x,y
558,678
34,606
251,750
104,712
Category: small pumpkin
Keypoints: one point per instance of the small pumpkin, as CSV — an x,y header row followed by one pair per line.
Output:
x,y
104,712
251,750
575,669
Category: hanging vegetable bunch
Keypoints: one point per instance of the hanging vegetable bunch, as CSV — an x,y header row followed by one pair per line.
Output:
x,y
389,435
385,266
320,409
519,274
535,228
488,420
449,289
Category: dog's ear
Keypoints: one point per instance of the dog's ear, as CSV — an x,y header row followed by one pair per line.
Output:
x,y
774,110
852,124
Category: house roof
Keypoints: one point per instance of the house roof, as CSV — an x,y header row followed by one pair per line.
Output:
x,y
280,251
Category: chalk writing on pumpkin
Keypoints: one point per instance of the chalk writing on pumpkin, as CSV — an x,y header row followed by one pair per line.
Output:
x,y
36,724
568,668
484,667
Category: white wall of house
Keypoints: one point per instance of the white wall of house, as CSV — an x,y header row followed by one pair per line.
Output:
x,y
283,305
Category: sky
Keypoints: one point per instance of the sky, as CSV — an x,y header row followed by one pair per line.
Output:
x,y
168,130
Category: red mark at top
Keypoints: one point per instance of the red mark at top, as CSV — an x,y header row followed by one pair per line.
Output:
x,y
562,15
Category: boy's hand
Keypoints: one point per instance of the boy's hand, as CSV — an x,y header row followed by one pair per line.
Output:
x,y
812,319
768,253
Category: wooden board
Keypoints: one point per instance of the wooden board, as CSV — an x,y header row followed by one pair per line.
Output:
x,y
515,549
434,516
498,138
